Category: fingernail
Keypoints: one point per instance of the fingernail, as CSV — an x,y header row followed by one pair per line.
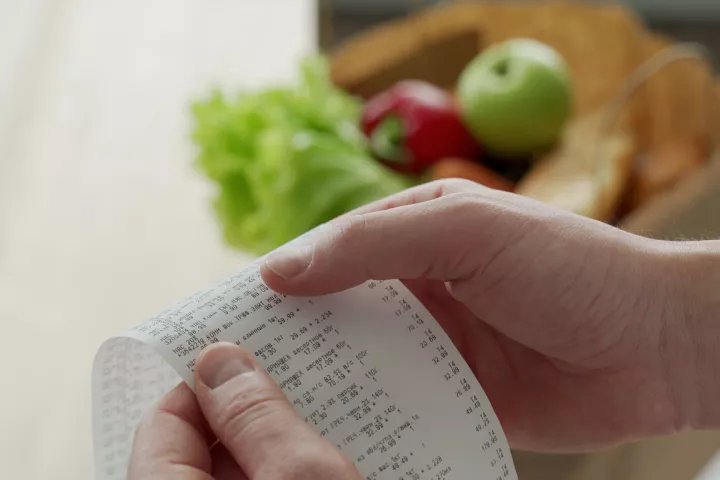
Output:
x,y
222,362
291,261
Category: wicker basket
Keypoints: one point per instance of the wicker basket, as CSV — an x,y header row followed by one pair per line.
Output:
x,y
660,172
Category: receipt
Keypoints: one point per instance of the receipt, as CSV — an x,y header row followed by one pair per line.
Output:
x,y
369,368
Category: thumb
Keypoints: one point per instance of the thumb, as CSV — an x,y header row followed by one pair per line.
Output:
x,y
441,239
257,424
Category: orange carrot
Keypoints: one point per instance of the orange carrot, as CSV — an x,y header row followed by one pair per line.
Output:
x,y
469,170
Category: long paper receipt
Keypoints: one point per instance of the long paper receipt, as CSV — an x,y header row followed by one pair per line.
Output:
x,y
368,368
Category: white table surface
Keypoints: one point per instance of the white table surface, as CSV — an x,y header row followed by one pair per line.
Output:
x,y
103,221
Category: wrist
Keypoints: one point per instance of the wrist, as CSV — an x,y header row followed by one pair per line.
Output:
x,y
691,345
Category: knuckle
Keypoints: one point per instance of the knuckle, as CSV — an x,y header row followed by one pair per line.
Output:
x,y
465,203
483,203
248,409
456,185
350,230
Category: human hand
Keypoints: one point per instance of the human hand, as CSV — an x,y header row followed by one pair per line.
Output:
x,y
259,435
576,330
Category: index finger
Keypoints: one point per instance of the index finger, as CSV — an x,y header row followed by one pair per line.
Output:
x,y
173,441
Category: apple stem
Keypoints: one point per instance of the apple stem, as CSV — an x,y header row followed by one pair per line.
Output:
x,y
502,68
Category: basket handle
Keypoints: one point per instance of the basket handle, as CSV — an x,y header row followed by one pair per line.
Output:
x,y
687,51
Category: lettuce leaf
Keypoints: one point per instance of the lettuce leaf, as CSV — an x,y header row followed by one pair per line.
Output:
x,y
286,160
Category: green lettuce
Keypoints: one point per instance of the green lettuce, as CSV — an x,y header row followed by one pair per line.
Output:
x,y
286,160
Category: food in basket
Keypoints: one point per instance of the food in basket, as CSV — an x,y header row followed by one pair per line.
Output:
x,y
413,125
668,122
588,173
665,167
516,97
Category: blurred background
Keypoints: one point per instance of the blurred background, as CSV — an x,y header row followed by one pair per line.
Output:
x,y
691,20
114,193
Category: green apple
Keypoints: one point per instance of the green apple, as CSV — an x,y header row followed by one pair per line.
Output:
x,y
516,97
